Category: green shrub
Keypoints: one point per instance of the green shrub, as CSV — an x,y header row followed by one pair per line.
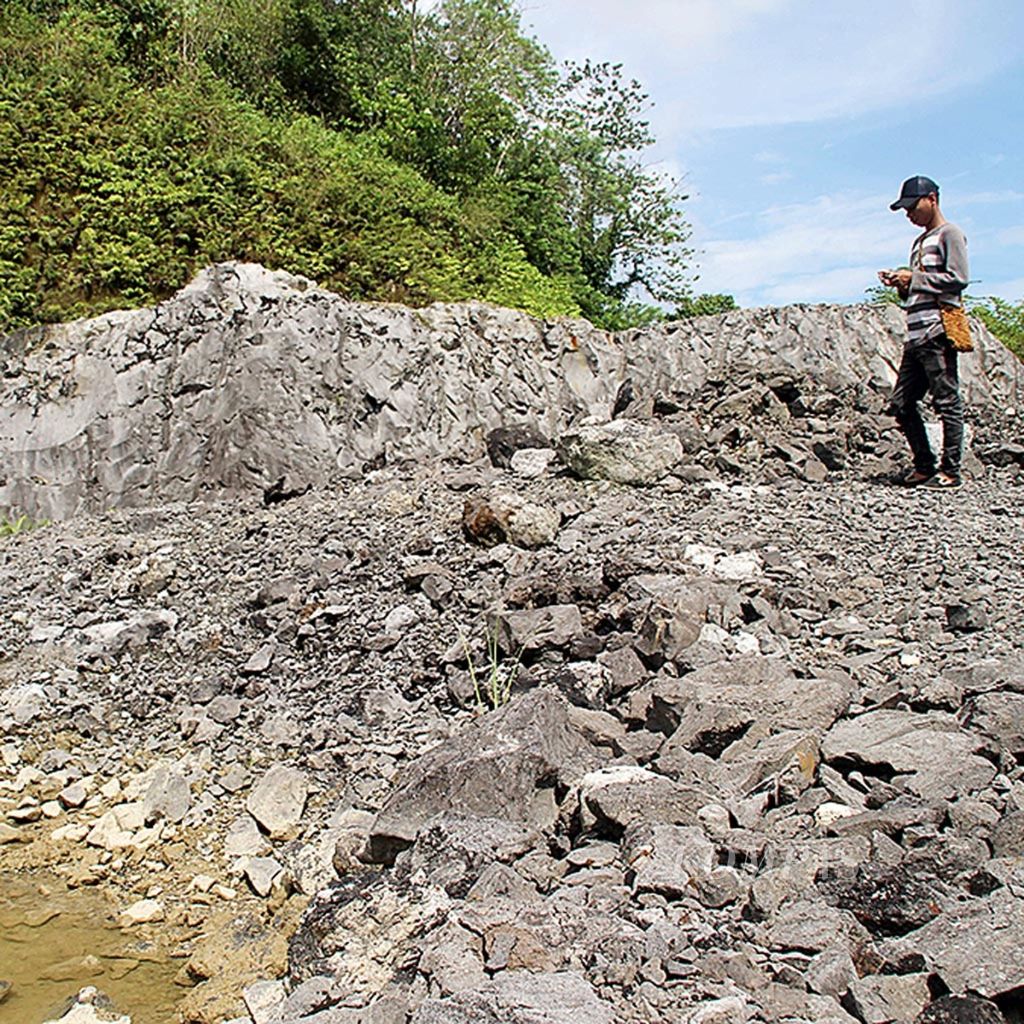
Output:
x,y
493,682
139,188
1004,319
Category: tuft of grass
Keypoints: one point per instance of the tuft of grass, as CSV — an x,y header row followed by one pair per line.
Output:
x,y
493,682
22,524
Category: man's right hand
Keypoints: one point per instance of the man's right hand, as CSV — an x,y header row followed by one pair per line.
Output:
x,y
898,279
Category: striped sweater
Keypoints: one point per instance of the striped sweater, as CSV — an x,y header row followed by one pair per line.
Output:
x,y
938,261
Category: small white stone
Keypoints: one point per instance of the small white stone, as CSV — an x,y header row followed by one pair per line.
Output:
x,y
131,817
108,834
73,795
262,1000
26,777
143,912
746,643
740,567
531,463
400,619
830,812
730,1010
71,833
111,789
715,819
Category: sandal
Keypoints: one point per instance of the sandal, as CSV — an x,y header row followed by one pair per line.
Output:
x,y
915,478
942,482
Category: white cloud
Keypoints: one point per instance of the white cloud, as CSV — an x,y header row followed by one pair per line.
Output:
x,y
714,64
838,285
656,31
825,250
1011,236
986,198
1012,291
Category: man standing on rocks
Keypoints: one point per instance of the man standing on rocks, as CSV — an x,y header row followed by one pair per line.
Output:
x,y
937,275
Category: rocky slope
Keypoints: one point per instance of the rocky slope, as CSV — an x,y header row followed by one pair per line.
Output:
x,y
762,757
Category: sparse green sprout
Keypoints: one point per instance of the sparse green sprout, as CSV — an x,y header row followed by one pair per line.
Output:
x,y
492,684
11,527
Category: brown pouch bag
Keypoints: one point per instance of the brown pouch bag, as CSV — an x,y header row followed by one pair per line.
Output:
x,y
957,327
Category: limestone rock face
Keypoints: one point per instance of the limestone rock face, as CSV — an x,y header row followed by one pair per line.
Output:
x,y
250,380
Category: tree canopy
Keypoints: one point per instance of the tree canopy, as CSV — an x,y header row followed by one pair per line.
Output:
x,y
390,152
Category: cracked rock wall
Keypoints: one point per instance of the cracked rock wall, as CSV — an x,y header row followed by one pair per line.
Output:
x,y
250,379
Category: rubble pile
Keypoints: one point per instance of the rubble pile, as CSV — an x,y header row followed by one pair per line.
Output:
x,y
679,713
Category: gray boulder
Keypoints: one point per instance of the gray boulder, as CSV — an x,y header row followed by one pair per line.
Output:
x,y
278,800
669,613
1000,717
519,997
167,796
882,998
624,451
532,629
707,709
503,516
500,768
939,759
974,947
452,850
619,796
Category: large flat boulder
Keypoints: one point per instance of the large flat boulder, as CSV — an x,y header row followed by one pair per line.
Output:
x,y
498,768
976,947
519,997
938,759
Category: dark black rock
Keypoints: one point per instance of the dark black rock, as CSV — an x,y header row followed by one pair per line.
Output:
x,y
1002,453
886,900
961,1010
504,442
966,618
624,398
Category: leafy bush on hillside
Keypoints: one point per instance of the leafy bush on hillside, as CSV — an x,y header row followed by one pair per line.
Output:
x,y
388,153
139,188
1004,319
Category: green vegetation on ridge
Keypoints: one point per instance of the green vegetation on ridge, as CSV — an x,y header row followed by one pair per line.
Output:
x,y
387,153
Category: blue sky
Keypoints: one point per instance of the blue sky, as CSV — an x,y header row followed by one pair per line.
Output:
x,y
791,123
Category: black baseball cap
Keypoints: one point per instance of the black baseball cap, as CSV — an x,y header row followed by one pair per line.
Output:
x,y
912,190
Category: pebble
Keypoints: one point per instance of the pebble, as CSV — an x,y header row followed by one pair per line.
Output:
x,y
144,911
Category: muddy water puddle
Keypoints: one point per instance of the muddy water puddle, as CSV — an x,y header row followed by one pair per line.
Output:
x,y
53,942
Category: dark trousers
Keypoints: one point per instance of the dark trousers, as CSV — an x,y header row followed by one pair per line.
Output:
x,y
930,368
